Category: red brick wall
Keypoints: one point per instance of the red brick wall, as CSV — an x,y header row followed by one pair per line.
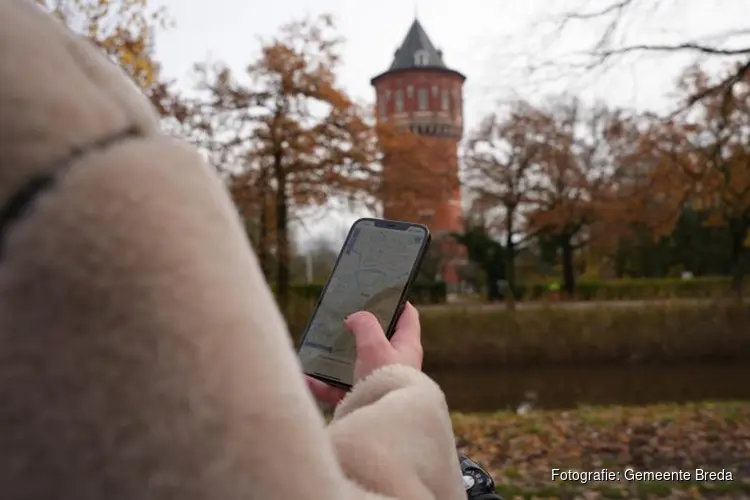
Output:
x,y
439,204
387,85
435,198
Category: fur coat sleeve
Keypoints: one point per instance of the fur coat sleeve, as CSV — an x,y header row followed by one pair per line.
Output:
x,y
142,356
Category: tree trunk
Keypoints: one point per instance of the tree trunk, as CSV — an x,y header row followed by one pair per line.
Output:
x,y
739,232
263,232
620,263
493,292
282,238
568,273
510,267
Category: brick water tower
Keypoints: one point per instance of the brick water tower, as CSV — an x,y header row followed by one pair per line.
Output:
x,y
419,93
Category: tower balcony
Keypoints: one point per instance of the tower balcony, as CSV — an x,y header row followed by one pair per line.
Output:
x,y
430,123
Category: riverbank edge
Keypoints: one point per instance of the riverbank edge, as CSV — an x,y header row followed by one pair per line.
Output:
x,y
521,450
456,337
657,332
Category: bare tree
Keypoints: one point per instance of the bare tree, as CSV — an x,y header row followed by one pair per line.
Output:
x,y
715,160
576,168
499,163
615,41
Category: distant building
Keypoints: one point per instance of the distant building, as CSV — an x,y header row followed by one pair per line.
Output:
x,y
420,93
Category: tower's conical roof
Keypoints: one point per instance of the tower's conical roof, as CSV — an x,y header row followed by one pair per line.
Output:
x,y
417,50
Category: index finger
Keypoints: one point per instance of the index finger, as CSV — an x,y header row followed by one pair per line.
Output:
x,y
408,330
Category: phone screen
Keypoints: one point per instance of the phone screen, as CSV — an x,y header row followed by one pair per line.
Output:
x,y
373,272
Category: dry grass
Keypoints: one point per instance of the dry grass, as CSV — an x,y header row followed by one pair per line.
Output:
x,y
492,336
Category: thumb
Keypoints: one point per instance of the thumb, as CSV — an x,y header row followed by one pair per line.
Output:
x,y
369,337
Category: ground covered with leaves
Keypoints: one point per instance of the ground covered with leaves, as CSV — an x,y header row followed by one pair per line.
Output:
x,y
520,451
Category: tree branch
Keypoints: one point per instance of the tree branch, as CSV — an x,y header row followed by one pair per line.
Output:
x,y
614,8
686,46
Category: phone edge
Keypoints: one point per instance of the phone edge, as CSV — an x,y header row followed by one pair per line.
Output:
x,y
402,300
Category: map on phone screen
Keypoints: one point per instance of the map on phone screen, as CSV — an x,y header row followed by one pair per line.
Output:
x,y
371,274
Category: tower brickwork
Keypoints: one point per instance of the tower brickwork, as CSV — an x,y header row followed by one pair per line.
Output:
x,y
421,94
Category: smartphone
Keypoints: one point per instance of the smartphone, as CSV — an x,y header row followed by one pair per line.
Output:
x,y
373,272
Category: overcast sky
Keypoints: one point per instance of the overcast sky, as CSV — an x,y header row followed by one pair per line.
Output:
x,y
490,41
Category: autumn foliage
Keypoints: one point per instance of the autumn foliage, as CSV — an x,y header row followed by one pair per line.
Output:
x,y
581,183
521,451
502,160
290,140
546,172
283,133
419,176
123,29
589,180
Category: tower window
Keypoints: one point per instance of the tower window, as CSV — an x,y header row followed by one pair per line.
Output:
x,y
383,109
435,91
421,58
446,102
399,101
422,96
410,91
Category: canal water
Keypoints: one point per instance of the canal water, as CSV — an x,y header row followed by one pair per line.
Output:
x,y
571,386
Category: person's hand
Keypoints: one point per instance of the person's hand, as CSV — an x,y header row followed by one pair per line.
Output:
x,y
374,350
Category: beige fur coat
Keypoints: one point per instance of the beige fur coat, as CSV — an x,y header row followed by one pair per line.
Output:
x,y
142,356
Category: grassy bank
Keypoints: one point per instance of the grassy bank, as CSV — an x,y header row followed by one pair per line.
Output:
x,y
456,337
586,290
638,289
521,451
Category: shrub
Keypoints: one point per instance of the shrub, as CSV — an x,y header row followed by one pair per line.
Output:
x,y
621,289
494,336
428,293
420,293
307,291
637,289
